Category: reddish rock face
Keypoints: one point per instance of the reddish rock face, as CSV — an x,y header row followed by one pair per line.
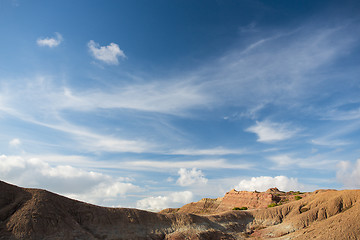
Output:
x,y
232,199
250,200
238,199
37,214
204,206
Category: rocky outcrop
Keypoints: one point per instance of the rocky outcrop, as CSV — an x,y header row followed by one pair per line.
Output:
x,y
325,214
238,199
204,206
251,200
38,214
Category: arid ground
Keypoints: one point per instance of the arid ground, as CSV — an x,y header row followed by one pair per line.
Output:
x,y
323,214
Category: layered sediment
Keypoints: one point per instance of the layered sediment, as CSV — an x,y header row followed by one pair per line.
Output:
x,y
39,214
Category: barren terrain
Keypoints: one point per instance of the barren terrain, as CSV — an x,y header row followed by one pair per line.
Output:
x,y
323,214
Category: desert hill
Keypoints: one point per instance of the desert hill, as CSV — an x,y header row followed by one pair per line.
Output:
x,y
39,214
239,199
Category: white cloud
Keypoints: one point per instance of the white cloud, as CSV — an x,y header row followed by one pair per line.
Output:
x,y
166,165
284,161
341,115
144,165
275,68
190,177
91,141
74,182
270,132
212,151
108,54
339,132
50,42
102,143
169,98
175,199
349,174
15,142
106,192
263,183
329,142
175,98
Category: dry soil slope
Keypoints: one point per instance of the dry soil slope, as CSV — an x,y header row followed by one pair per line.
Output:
x,y
38,214
322,215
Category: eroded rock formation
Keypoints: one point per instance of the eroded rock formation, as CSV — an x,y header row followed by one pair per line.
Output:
x,y
238,199
39,214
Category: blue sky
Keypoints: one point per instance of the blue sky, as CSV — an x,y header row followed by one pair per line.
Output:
x,y
154,104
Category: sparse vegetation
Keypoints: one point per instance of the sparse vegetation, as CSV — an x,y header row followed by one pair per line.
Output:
x,y
273,205
296,193
298,197
304,209
242,208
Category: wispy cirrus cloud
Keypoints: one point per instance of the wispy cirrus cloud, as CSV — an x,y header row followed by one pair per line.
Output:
x,y
266,73
88,139
210,151
175,98
273,70
109,54
166,165
50,42
279,68
286,161
168,98
339,134
343,115
330,142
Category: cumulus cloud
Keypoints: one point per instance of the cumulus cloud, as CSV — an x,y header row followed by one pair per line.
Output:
x,y
50,42
15,142
108,54
190,177
73,182
174,199
263,183
270,132
349,174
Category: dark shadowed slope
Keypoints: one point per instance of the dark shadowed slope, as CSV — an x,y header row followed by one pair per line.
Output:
x,y
39,214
